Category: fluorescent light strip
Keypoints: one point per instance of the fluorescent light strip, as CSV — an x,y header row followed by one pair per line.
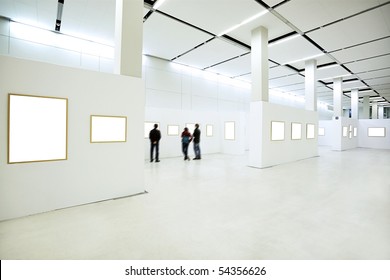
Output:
x,y
158,4
248,20
304,59
284,40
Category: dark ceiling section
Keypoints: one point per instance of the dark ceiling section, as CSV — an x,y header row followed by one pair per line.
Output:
x,y
366,80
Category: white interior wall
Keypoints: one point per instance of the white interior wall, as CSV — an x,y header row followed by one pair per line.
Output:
x,y
93,172
327,139
340,142
374,142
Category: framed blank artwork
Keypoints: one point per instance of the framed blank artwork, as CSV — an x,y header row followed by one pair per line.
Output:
x,y
310,131
350,128
376,132
148,126
321,131
191,127
37,128
230,131
173,130
345,131
277,131
107,129
355,132
209,130
296,131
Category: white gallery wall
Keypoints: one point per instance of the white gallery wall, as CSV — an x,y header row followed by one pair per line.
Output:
x,y
327,138
366,141
343,132
93,171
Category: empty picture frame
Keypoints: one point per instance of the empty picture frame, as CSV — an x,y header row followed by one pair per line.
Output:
x,y
173,130
108,129
296,131
376,132
37,128
321,131
345,131
277,131
209,130
191,127
355,132
148,126
310,131
230,131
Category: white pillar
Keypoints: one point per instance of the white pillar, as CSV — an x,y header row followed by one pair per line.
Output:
x,y
374,110
259,64
337,97
381,112
355,103
366,107
128,37
311,85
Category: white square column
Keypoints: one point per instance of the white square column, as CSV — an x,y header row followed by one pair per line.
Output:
x,y
381,112
311,85
259,64
128,37
355,104
366,107
337,97
374,110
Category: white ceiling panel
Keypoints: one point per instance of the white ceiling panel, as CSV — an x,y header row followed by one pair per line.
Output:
x,y
330,72
280,71
323,59
292,50
320,12
286,81
211,53
368,50
353,85
359,29
235,67
168,38
272,3
215,16
378,81
245,78
146,11
370,64
374,74
274,25
382,87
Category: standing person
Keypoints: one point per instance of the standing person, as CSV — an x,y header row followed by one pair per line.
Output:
x,y
185,142
196,136
154,136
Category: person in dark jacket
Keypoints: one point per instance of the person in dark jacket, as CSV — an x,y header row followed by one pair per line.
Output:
x,y
186,138
196,137
154,136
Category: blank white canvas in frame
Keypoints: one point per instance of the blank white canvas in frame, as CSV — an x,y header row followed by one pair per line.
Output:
x,y
296,131
230,131
277,131
108,129
37,128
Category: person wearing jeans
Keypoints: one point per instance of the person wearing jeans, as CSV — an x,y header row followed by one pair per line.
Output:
x,y
154,136
196,137
185,142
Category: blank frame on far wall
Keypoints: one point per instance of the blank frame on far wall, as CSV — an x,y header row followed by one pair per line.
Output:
x,y
376,132
277,131
230,131
209,130
321,131
37,128
345,131
108,129
296,131
173,130
310,131
148,126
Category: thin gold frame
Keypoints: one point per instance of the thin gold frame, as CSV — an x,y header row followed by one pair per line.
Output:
x,y
178,130
284,130
234,134
9,127
384,129
207,135
300,136
107,116
314,131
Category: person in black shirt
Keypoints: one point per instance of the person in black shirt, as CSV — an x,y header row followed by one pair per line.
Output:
x,y
154,136
196,136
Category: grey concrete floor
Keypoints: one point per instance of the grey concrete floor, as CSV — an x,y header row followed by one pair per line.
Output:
x,y
335,206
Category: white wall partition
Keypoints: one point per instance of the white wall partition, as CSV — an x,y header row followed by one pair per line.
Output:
x,y
374,142
343,138
327,138
92,172
277,152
